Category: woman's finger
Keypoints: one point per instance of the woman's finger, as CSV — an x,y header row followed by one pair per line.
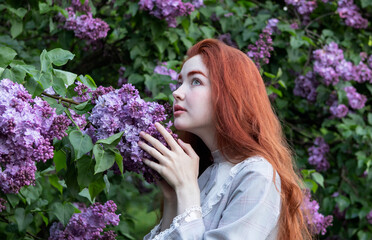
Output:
x,y
168,137
188,149
152,151
157,167
155,143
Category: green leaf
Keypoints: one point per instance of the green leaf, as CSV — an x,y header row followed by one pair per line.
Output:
x,y
161,44
17,27
96,187
366,3
59,57
13,199
59,86
6,56
370,118
33,87
45,219
85,193
20,12
32,192
107,184
87,81
135,78
207,31
1,71
67,77
281,83
53,179
318,178
119,161
104,158
22,219
311,185
45,79
85,167
46,63
269,75
342,202
112,140
63,212
82,143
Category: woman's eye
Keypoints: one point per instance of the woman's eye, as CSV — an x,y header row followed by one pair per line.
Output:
x,y
195,81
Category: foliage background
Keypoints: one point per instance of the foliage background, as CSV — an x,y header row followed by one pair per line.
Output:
x,y
139,42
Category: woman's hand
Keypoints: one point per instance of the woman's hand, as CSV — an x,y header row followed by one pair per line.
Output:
x,y
179,166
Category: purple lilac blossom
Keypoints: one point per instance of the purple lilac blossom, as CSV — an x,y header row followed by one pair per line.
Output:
x,y
163,70
369,61
317,221
303,7
124,110
2,204
167,9
305,86
85,26
198,3
356,100
339,110
369,217
363,73
330,65
272,25
78,7
317,154
226,38
27,128
294,25
350,12
260,52
89,224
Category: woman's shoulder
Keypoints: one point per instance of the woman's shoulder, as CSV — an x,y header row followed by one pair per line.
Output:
x,y
254,166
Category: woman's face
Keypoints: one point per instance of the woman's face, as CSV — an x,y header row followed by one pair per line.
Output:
x,y
194,95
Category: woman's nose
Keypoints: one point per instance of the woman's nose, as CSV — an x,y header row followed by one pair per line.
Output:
x,y
178,94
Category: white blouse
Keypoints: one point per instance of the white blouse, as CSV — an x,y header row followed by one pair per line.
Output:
x,y
238,201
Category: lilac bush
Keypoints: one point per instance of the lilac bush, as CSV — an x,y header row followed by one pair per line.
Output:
x,y
89,224
305,86
27,128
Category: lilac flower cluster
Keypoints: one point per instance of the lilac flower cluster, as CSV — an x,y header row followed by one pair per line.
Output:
x,y
89,224
303,7
124,110
350,12
85,93
356,100
305,86
330,64
369,217
168,9
27,128
2,204
317,154
260,52
163,70
317,221
84,26
339,110
272,25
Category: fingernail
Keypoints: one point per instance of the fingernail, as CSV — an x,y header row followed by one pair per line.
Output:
x,y
140,143
142,134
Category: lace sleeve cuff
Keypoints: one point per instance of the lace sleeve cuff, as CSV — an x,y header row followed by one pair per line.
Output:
x,y
190,214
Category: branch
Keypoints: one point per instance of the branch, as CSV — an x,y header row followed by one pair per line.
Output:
x,y
60,98
316,19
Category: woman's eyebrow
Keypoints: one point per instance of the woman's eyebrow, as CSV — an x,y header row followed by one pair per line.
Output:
x,y
192,73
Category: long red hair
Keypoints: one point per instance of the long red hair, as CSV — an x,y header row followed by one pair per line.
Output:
x,y
247,126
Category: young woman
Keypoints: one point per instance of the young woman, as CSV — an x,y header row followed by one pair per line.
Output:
x,y
250,191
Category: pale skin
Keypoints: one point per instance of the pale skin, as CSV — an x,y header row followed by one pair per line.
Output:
x,y
179,165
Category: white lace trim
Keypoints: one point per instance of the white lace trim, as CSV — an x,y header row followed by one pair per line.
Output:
x,y
188,215
207,206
